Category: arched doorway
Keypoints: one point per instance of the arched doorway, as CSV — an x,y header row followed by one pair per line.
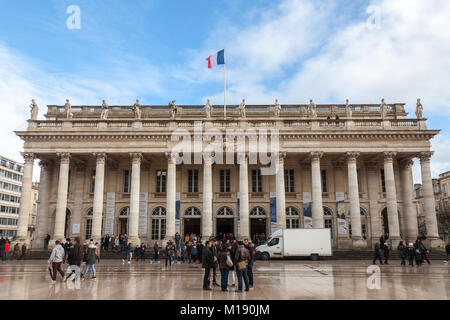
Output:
x,y
292,218
225,221
124,213
68,223
88,228
328,220
158,223
258,222
192,221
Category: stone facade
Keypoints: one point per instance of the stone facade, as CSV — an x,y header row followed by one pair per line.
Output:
x,y
117,168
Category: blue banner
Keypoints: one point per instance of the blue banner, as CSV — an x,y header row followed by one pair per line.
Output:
x,y
273,209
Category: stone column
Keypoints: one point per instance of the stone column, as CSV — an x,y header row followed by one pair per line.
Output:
x,y
317,208
428,198
280,192
42,210
61,198
243,201
409,212
98,196
133,220
207,229
25,198
391,199
373,190
353,193
171,194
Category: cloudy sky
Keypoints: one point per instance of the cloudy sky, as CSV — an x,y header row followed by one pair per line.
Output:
x,y
292,50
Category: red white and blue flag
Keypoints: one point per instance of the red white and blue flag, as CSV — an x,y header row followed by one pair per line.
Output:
x,y
215,59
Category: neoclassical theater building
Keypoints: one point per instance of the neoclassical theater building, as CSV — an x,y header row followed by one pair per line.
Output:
x,y
150,171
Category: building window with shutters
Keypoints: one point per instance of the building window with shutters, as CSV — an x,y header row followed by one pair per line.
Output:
x,y
225,179
289,184
324,181
256,181
126,181
192,180
161,178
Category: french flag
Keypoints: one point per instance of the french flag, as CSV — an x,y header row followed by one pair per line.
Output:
x,y
215,59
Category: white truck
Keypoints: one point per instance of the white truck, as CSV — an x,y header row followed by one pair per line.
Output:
x,y
296,243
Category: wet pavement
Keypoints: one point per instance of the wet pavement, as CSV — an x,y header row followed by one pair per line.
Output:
x,y
306,280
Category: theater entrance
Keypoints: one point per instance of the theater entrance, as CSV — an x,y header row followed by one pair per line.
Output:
x,y
192,221
258,226
224,225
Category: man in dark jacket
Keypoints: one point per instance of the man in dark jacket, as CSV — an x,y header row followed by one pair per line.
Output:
x,y
74,258
200,251
215,251
242,257
207,263
249,247
377,254
423,252
66,246
411,251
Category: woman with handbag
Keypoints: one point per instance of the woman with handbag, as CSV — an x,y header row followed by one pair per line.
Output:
x,y
225,263
241,261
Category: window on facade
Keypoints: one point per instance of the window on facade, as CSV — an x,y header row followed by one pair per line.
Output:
x,y
126,181
225,178
192,180
292,218
445,190
289,185
225,212
256,181
258,212
158,223
161,178
417,193
89,215
93,181
11,165
328,219
3,163
383,183
19,168
324,181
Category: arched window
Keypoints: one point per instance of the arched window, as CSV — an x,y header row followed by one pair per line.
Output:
x,y
124,212
328,219
158,223
225,212
258,212
292,218
192,212
89,215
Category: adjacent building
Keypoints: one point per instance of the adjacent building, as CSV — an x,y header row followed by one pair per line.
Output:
x,y
152,171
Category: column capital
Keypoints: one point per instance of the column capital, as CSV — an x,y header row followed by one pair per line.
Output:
x,y
352,155
425,156
136,156
45,164
100,156
242,158
282,155
406,164
316,155
389,156
171,157
64,156
208,157
28,156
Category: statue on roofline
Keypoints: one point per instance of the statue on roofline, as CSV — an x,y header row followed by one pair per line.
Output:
x,y
348,109
68,109
383,109
277,108
137,110
34,110
312,109
241,108
105,110
419,109
208,109
173,109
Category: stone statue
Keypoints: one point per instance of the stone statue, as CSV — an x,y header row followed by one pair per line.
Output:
x,y
312,109
105,110
383,109
173,109
137,110
419,109
242,109
68,109
348,109
208,109
34,110
277,108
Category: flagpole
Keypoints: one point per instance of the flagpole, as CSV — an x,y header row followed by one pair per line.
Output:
x,y
224,88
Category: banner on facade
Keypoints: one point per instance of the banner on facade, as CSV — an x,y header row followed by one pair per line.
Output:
x,y
177,212
307,213
109,219
76,228
273,212
238,215
143,204
340,212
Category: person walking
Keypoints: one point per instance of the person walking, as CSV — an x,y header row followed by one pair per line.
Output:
x,y
24,251
207,264
417,254
200,251
7,247
137,252
170,253
377,255
143,250
249,247
241,261
403,253
447,252
56,259
156,251
127,253
16,252
411,251
189,251
386,251
423,252
90,259
66,247
214,250
223,257
75,258
233,250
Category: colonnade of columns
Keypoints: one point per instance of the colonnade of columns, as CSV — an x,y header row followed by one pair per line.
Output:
x,y
207,223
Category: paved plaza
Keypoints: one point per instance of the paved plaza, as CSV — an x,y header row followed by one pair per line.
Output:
x,y
304,280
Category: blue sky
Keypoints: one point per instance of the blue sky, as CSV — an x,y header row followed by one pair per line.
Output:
x,y
292,50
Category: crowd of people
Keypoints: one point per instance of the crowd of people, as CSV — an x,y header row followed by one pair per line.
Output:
x,y
18,252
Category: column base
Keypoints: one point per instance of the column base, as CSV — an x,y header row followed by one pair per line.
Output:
x,y
394,241
135,241
359,243
436,243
